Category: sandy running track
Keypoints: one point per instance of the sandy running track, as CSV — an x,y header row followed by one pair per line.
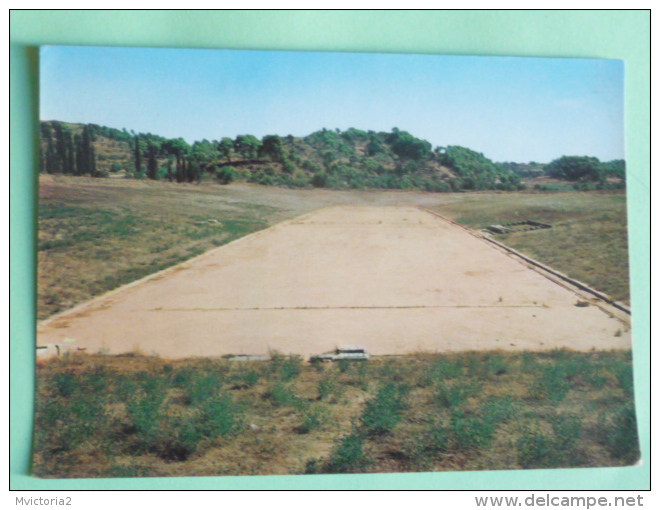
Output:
x,y
394,279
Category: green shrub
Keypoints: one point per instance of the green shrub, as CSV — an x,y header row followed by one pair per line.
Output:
x,y
348,455
318,365
291,368
125,388
474,366
552,450
327,388
537,451
203,387
496,365
619,433
280,395
313,418
552,384
398,372
144,414
436,437
65,384
384,411
176,436
246,378
183,377
624,376
226,174
469,432
320,180
439,372
453,395
363,375
285,368
594,376
313,466
498,410
529,363
220,416
567,431
344,365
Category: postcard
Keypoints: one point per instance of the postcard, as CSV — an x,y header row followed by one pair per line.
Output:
x,y
270,263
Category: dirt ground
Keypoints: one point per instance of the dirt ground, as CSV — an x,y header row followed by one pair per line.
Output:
x,y
394,279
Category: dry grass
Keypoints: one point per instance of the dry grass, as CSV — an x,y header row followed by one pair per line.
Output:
x,y
588,241
97,235
133,415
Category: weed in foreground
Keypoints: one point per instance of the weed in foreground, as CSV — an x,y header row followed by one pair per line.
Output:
x,y
495,366
285,368
281,395
382,413
618,433
551,450
313,418
454,394
537,451
498,410
439,372
435,438
347,456
552,384
142,416
567,431
469,432
344,365
245,379
329,390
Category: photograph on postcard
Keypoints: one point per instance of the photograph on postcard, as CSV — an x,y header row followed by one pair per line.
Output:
x,y
270,263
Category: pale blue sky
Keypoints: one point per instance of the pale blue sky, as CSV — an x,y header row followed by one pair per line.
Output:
x,y
511,109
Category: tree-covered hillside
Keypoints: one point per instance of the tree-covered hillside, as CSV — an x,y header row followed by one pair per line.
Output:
x,y
586,169
324,159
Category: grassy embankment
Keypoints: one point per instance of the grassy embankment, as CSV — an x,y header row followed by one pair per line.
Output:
x,y
588,241
103,416
95,235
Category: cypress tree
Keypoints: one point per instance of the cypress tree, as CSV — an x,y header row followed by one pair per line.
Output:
x,y
152,163
92,162
59,150
180,168
81,162
47,141
51,165
138,157
86,150
70,154
169,170
44,160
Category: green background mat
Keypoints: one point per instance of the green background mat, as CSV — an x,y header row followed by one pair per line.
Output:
x,y
590,34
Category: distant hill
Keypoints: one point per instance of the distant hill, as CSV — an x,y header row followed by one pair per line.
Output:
x,y
324,159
